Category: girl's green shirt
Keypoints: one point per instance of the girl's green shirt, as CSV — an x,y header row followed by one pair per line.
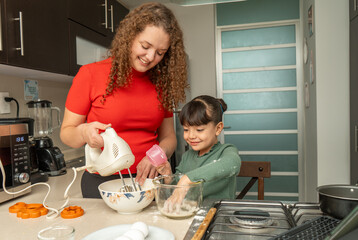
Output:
x,y
218,169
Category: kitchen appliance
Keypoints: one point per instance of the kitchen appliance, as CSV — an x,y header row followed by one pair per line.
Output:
x,y
116,156
50,158
34,164
14,156
253,219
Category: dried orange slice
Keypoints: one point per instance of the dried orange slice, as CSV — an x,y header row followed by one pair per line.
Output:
x,y
72,212
26,211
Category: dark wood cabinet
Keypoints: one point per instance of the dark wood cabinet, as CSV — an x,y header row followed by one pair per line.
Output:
x,y
43,35
89,13
94,23
3,46
354,98
353,9
102,16
116,13
36,34
80,35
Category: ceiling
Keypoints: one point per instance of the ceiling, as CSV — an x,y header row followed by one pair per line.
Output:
x,y
130,4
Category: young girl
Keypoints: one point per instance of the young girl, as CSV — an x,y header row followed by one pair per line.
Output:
x,y
208,160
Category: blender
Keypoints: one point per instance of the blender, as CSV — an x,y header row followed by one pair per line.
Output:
x,y
50,158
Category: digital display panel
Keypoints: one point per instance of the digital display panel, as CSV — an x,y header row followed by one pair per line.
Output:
x,y
20,139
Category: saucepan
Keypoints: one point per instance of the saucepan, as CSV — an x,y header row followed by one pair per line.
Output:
x,y
338,200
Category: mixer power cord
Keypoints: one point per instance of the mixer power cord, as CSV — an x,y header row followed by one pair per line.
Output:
x,y
53,213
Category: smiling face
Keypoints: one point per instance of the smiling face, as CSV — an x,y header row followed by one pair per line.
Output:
x,y
202,138
148,48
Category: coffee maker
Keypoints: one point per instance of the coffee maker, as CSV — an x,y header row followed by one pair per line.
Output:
x,y
50,158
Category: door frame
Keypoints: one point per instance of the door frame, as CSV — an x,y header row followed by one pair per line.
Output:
x,y
299,84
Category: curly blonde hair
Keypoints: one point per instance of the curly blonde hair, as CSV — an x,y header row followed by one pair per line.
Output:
x,y
170,75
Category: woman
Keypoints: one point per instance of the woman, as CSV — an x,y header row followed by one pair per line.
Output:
x,y
133,91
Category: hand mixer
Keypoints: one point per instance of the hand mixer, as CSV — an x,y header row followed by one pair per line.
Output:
x,y
116,156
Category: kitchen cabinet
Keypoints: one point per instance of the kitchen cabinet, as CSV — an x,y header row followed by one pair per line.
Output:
x,y
353,9
3,51
38,34
354,99
102,16
90,13
86,46
34,35
118,13
91,29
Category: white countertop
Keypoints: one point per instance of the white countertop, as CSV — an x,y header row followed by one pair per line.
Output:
x,y
97,214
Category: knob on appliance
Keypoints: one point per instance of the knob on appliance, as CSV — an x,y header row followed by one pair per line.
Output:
x,y
22,177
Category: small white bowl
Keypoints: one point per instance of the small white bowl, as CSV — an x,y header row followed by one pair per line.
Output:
x,y
126,202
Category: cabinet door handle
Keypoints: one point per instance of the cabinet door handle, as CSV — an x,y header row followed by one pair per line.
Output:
x,y
105,14
355,138
354,5
21,48
111,10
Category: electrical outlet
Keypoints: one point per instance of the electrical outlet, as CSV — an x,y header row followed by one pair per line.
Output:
x,y
4,106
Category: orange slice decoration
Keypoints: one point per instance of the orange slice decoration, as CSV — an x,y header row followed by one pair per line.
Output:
x,y
26,211
72,212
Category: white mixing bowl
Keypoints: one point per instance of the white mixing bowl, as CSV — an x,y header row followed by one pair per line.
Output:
x,y
126,202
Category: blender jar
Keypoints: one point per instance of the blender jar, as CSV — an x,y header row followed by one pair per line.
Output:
x,y
41,112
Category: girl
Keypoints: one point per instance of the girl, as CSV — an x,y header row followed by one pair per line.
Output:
x,y
208,160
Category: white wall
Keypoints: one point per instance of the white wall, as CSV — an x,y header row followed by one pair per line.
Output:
x,y
54,91
332,53
198,25
326,134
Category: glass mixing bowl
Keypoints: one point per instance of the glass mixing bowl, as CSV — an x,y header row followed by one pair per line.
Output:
x,y
177,201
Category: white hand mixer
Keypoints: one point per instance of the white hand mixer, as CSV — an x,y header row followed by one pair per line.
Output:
x,y
116,156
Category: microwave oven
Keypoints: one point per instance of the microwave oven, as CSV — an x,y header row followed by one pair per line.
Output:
x,y
14,156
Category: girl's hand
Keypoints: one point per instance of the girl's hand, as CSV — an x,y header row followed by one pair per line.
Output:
x,y
174,202
145,170
164,169
90,133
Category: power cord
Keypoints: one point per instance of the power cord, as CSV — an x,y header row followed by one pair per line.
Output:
x,y
9,99
53,213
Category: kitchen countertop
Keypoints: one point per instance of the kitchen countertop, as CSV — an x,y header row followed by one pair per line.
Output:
x,y
97,214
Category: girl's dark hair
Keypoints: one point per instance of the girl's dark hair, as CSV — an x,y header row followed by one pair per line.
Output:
x,y
202,110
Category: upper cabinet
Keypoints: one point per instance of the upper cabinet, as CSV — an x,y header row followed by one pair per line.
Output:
x,y
353,9
90,37
102,16
34,34
46,35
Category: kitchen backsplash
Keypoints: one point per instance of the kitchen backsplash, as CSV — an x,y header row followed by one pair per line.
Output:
x,y
54,91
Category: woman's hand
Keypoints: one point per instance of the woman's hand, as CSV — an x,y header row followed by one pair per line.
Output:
x,y
75,132
145,170
90,133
